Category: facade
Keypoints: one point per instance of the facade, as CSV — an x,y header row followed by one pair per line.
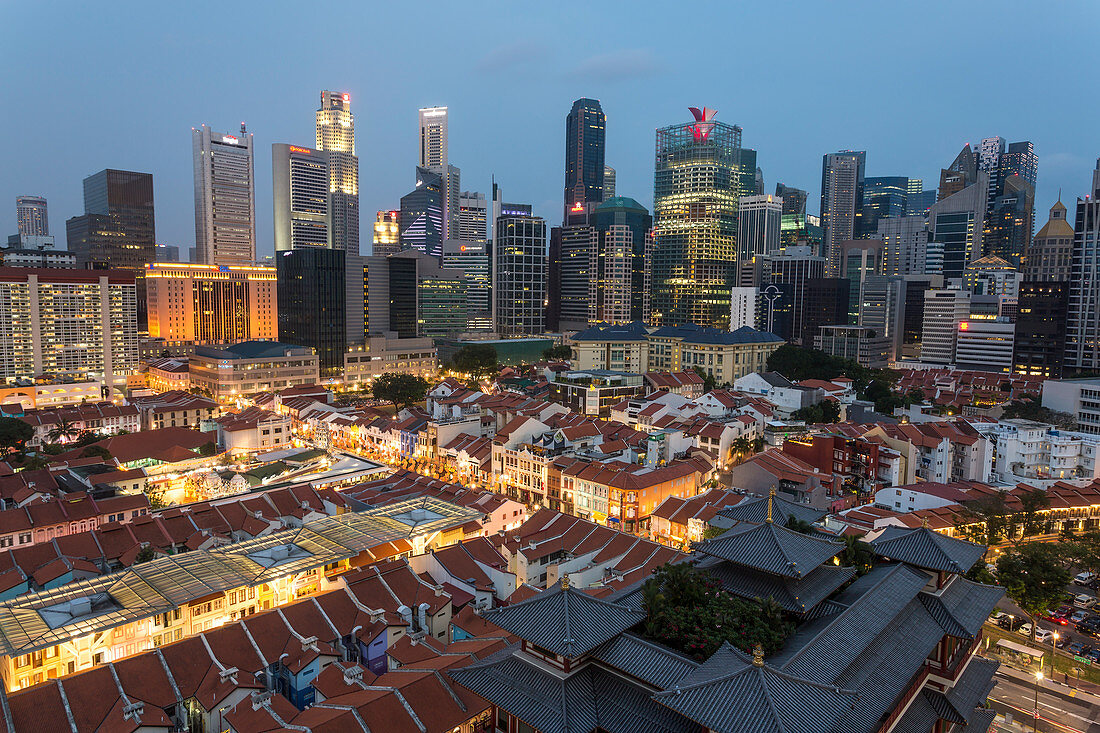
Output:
x,y
434,156
608,182
251,366
1028,452
905,244
473,217
697,186
842,182
301,197
225,197
471,259
759,221
422,214
519,275
311,304
387,233
985,344
1077,397
743,307
390,301
619,280
572,254
1083,323
1040,338
944,310
992,275
381,354
956,223
825,303
336,137
594,391
1050,257
884,197
32,215
585,128
212,304
859,343
794,266
68,323
441,301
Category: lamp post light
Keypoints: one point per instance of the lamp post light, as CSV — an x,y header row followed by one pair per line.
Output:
x,y
1053,651
1038,680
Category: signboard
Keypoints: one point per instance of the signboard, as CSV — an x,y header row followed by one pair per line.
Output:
x,y
1084,660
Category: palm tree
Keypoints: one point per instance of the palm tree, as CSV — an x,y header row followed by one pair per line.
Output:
x,y
63,429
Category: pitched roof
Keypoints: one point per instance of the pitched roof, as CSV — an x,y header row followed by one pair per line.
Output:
x,y
565,621
733,694
756,510
771,548
928,549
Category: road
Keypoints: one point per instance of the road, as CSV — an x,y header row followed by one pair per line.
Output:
x,y
1060,710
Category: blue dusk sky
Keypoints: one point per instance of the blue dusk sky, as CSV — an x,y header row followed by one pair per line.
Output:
x,y
88,86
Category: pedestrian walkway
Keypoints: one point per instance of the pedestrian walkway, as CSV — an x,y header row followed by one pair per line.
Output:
x,y
1052,687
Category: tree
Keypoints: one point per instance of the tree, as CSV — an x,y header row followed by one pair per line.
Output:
x,y
63,430
14,433
145,554
208,449
741,447
1030,408
554,353
857,554
95,450
1083,550
825,411
709,382
400,389
477,360
689,610
799,525
1035,577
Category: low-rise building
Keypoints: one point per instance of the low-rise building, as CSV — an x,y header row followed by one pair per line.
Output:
x,y
51,394
787,396
382,354
168,374
254,430
792,477
1077,397
66,424
174,409
686,384
595,391
860,344
1038,453
230,372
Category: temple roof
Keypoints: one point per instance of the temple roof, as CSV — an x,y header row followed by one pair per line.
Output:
x,y
797,596
771,548
756,510
926,548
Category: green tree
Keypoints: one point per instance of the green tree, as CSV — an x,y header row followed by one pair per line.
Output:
x,y
1083,550
400,389
709,382
1029,408
95,450
477,360
825,411
689,610
560,352
799,525
145,554
857,554
62,431
208,449
1034,576
14,433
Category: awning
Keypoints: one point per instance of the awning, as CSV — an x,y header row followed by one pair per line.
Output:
x,y
1020,648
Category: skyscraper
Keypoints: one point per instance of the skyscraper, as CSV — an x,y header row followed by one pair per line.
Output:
x,y
422,214
473,216
956,223
573,254
225,197
795,268
1010,215
1083,323
301,197
618,287
841,202
1050,256
336,137
883,197
962,172
759,221
905,243
118,229
793,227
32,215
519,275
434,156
608,182
212,304
387,233
584,153
471,258
696,189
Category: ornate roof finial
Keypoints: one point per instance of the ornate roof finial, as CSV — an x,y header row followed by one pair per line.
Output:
x,y
924,521
771,498
758,656
565,582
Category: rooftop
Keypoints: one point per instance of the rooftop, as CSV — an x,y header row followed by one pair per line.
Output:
x,y
252,350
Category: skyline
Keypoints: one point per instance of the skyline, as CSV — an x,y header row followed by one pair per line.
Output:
x,y
904,115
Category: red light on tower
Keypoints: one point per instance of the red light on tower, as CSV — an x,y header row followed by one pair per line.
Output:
x,y
578,207
964,325
347,97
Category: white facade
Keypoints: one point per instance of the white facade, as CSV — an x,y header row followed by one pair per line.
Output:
x,y
905,245
910,499
336,137
225,197
985,345
944,310
758,223
743,308
1078,397
434,156
1034,452
32,215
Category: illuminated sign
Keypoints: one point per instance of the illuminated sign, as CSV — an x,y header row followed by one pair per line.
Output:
x,y
964,325
440,112
703,123
578,207
347,97
296,149
229,139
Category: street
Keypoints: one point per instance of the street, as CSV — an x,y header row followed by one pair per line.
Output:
x,y
1061,709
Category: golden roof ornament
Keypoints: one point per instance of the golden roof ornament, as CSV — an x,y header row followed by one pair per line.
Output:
x,y
565,582
771,498
758,656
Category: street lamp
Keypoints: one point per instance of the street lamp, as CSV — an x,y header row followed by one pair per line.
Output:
x,y
1053,652
1038,679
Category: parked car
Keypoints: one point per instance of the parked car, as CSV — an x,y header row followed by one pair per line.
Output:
x,y
1094,655
1090,626
1078,649
1061,615
1084,600
1008,622
1078,617
1084,578
1024,630
1063,641
1044,636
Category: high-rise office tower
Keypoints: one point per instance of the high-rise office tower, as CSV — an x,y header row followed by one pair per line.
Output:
x,y
759,221
32,216
860,259
944,310
225,197
696,188
1050,256
387,233
336,138
989,160
793,228
212,304
618,285
962,172
422,213
1010,215
300,179
519,275
1083,323
312,304
956,223
473,217
796,268
440,297
573,254
1040,343
743,307
883,197
608,182
584,153
118,229
471,258
841,201
434,156
905,244
390,294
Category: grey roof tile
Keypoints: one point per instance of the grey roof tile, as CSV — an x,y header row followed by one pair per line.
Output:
x,y
645,660
797,596
963,606
927,548
771,548
756,510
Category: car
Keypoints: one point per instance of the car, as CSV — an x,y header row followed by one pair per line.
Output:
x,y
1079,616
1063,641
1090,627
1024,630
1061,615
1078,649
1008,622
1044,636
1083,600
1094,655
1084,578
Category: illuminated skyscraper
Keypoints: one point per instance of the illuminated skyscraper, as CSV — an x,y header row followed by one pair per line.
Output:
x,y
519,275
841,202
422,214
608,182
473,215
387,233
434,156
336,137
696,188
225,197
34,219
584,153
212,304
301,197
759,220
1083,323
